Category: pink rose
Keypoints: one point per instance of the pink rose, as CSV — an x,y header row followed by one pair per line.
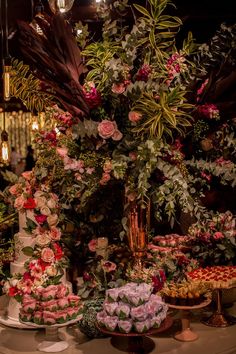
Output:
x,y
74,300
61,315
118,88
92,245
55,233
218,235
105,178
133,156
50,305
38,315
47,255
63,303
49,317
107,128
15,189
62,152
134,116
49,292
27,175
29,306
117,135
108,266
71,311
19,202
62,291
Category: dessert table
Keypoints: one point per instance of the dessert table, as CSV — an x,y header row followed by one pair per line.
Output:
x,y
216,340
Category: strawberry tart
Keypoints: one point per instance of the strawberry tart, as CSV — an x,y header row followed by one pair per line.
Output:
x,y
220,277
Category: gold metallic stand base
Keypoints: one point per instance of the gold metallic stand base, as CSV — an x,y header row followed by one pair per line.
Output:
x,y
219,320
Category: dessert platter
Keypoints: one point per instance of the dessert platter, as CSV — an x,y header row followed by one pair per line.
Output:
x,y
220,278
134,342
132,312
185,297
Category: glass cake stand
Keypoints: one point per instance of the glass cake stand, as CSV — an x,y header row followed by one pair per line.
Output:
x,y
187,334
52,342
136,343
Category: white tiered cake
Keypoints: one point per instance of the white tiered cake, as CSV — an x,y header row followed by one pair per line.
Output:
x,y
23,239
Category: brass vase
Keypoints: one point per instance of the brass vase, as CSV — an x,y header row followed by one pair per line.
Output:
x,y
138,227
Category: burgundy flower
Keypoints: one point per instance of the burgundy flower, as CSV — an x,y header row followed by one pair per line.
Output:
x,y
143,73
40,218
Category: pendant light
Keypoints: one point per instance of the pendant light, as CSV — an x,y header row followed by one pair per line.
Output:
x,y
60,5
5,151
6,61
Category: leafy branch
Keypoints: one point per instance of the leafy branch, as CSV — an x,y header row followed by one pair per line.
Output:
x,y
26,87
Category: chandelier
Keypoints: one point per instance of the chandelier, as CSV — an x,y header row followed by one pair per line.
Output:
x,y
60,5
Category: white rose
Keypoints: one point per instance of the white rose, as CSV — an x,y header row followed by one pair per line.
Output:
x,y
51,271
40,201
52,220
38,194
42,240
38,282
51,203
14,282
45,210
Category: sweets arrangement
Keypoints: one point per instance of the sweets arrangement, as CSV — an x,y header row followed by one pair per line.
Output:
x,y
219,277
50,305
132,308
186,293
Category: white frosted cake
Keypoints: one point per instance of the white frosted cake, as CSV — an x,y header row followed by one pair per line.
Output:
x,y
21,239
18,267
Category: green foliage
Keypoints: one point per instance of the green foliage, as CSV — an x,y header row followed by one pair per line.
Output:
x,y
164,114
26,87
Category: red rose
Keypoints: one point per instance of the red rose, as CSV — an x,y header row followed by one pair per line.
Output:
x,y
58,252
40,218
12,291
29,204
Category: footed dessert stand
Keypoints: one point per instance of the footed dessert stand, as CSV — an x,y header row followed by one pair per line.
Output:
x,y
219,318
136,343
187,334
52,342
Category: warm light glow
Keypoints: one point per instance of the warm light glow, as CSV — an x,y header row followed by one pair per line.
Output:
x,y
79,31
6,82
35,125
5,151
57,131
60,5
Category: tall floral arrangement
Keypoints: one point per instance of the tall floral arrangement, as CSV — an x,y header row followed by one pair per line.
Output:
x,y
124,115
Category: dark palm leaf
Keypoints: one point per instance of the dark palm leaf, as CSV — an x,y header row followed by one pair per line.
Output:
x,y
56,60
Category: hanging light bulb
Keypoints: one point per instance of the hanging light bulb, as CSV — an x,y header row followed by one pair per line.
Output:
x,y
5,154
6,82
60,5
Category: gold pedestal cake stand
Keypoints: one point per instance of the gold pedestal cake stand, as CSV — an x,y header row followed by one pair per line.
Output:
x,y
219,318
